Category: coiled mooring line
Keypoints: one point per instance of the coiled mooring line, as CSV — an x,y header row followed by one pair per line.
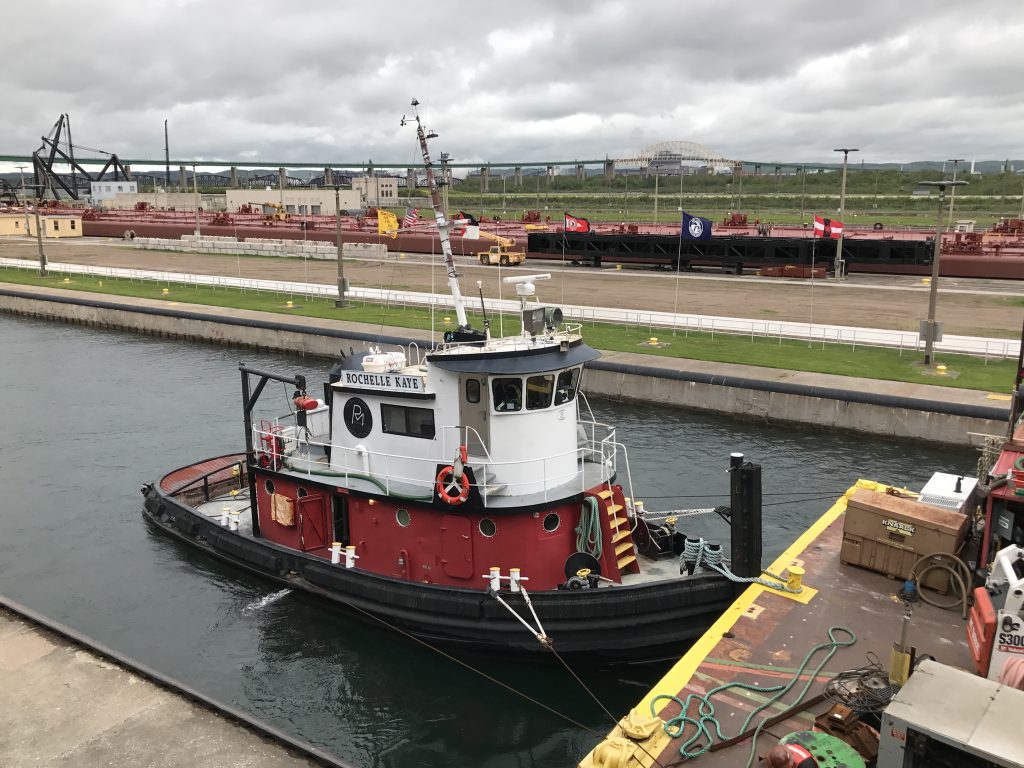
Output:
x,y
705,724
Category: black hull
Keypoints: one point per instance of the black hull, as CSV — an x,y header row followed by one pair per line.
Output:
x,y
634,624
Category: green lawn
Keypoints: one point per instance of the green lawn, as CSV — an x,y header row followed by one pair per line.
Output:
x,y
841,359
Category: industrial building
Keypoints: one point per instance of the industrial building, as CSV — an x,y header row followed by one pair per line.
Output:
x,y
54,225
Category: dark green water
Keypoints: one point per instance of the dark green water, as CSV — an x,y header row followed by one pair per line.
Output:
x,y
87,416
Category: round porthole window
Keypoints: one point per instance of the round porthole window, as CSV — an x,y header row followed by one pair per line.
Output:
x,y
302,492
551,521
487,527
402,516
269,485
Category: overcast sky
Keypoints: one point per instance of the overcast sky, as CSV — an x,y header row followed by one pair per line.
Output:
x,y
328,81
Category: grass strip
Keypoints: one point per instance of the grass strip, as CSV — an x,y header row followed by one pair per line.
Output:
x,y
963,371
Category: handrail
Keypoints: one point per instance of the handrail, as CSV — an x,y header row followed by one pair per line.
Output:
x,y
205,478
593,445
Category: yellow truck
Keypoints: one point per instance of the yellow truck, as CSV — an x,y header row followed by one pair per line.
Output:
x,y
500,253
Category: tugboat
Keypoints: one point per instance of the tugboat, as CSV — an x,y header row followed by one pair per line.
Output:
x,y
465,495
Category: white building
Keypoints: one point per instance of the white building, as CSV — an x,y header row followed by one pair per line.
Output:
x,y
106,189
376,190
298,202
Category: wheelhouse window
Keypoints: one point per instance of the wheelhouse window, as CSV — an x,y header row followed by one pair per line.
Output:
x,y
538,391
472,390
508,394
568,382
404,420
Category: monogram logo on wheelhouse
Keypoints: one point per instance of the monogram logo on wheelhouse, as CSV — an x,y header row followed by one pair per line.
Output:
x,y
358,418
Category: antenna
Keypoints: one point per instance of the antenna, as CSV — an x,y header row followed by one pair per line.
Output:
x,y
483,306
443,225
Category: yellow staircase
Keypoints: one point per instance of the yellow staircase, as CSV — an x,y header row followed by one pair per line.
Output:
x,y
618,538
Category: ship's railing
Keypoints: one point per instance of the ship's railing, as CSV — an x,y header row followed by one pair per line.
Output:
x,y
227,477
414,476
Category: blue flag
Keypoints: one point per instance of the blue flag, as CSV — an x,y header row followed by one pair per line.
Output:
x,y
695,228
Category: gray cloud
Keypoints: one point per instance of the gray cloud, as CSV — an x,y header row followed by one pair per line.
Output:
x,y
328,82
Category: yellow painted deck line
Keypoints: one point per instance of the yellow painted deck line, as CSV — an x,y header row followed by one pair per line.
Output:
x,y
677,677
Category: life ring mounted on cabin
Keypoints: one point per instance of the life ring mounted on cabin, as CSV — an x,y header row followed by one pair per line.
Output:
x,y
453,484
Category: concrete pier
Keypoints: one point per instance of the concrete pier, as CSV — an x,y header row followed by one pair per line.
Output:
x,y
67,706
889,408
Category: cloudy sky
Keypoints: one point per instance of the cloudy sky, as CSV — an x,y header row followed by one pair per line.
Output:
x,y
328,81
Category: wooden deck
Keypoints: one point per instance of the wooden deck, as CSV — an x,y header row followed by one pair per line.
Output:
x,y
763,638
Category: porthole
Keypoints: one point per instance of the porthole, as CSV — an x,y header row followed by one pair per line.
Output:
x,y
487,527
269,485
302,492
402,517
551,521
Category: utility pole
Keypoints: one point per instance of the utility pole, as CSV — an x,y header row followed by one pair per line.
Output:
x,y
337,236
39,241
24,199
930,327
839,263
952,190
655,195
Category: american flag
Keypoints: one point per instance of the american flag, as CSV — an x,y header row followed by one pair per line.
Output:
x,y
411,214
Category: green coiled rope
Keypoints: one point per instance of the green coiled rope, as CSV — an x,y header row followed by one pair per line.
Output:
x,y
588,532
706,726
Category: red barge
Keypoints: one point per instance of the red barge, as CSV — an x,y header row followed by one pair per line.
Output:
x,y
465,495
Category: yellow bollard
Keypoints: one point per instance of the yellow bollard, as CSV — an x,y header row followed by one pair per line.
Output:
x,y
166,291
653,341
940,369
618,266
447,321
796,577
289,304
101,283
67,279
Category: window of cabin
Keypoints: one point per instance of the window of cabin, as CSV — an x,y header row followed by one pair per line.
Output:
x,y
72,224
56,226
408,421
568,382
538,391
508,394
472,390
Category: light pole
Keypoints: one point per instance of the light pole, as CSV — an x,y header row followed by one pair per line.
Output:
x,y
680,189
929,326
842,206
337,236
195,196
655,194
24,198
952,192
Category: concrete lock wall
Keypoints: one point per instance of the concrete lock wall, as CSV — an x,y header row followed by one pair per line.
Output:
x,y
297,249
948,423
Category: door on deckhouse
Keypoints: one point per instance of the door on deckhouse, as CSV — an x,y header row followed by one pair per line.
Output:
x,y
473,413
313,530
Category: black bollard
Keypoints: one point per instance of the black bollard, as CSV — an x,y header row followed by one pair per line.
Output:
x,y
745,522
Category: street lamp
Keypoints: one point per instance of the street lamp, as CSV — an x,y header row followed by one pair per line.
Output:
x,y
337,236
195,196
929,326
24,198
842,205
952,191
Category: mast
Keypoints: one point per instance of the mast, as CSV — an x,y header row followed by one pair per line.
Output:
x,y
443,225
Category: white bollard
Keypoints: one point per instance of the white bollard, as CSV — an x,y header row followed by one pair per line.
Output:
x,y
335,552
514,580
224,512
638,507
350,556
233,520
495,578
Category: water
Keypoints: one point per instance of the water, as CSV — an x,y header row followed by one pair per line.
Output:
x,y
87,416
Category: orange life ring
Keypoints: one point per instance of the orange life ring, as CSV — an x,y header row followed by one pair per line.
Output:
x,y
452,490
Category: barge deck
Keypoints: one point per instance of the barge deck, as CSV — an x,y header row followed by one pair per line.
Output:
x,y
761,641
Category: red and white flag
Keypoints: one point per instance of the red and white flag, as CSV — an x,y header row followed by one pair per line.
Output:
x,y
576,224
411,215
827,228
